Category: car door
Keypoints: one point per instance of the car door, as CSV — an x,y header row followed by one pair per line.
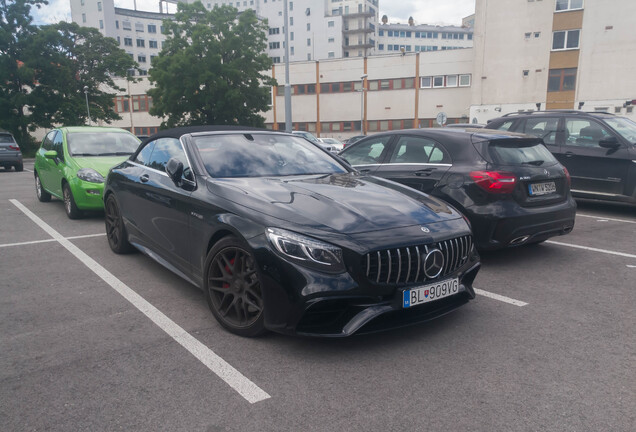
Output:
x,y
156,208
48,169
416,161
593,169
367,155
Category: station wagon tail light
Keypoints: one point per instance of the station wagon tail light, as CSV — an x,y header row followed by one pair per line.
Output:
x,y
496,182
567,176
12,147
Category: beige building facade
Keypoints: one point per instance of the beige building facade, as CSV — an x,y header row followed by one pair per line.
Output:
x,y
553,54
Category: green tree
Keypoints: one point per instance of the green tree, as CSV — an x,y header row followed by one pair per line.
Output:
x,y
16,77
43,72
210,70
66,59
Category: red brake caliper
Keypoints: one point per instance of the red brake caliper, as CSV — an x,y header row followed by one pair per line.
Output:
x,y
227,269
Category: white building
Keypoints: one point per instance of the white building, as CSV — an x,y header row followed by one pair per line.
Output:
x,y
553,54
422,38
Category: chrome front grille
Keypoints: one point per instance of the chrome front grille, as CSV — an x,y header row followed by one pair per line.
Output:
x,y
404,265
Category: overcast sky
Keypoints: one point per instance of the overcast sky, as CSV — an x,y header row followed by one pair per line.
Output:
x,y
422,11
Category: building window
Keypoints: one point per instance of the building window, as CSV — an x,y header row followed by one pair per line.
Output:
x,y
139,27
331,54
562,79
464,80
101,24
274,30
275,59
308,41
451,80
116,24
141,103
291,5
152,28
152,44
143,72
274,45
141,58
126,25
118,41
331,23
84,18
565,40
308,26
127,41
564,5
380,47
122,104
426,82
99,6
438,81
141,43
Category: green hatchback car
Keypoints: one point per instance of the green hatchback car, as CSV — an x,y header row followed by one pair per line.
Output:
x,y
73,162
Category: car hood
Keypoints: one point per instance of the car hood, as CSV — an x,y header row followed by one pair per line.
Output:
x,y
343,203
101,164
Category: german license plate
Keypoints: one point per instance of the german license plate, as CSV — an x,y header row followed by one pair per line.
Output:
x,y
429,293
541,188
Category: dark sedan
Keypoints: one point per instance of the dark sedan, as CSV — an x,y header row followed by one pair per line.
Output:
x,y
509,186
281,235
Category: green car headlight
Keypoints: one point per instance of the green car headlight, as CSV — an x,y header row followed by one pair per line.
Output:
x,y
90,175
307,251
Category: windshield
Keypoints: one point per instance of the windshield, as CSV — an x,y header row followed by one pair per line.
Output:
x,y
262,155
623,126
101,143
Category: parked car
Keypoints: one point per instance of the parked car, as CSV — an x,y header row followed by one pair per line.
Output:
x,y
353,139
10,154
509,186
72,163
598,149
307,135
282,236
466,125
336,146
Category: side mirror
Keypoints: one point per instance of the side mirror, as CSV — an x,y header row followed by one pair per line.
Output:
x,y
51,154
609,143
174,168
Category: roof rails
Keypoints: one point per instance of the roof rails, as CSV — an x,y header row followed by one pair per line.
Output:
x,y
562,111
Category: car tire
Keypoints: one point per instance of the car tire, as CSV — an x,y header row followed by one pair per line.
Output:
x,y
43,196
19,167
115,229
232,286
69,203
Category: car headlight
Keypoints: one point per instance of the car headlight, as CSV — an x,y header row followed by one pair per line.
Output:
x,y
90,175
307,251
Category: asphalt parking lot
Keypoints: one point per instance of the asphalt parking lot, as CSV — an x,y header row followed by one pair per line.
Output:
x,y
93,341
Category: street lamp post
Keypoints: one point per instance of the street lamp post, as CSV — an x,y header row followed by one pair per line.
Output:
x,y
362,103
88,111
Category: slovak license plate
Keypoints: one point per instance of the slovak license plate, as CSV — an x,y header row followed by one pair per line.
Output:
x,y
429,293
541,188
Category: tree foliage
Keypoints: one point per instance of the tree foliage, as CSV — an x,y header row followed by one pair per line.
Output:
x,y
43,72
210,70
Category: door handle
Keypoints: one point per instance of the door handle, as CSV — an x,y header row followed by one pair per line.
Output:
x,y
364,170
144,178
425,172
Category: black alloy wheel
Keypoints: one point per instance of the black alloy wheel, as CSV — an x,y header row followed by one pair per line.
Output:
x,y
69,203
115,229
43,196
233,288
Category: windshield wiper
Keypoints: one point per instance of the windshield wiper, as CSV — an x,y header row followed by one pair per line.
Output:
x,y
534,162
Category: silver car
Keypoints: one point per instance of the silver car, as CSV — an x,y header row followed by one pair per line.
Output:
x,y
10,154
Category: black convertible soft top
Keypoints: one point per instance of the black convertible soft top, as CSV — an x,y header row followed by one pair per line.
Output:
x,y
180,131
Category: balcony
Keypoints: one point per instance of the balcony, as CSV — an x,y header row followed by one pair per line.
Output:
x,y
358,30
358,45
358,15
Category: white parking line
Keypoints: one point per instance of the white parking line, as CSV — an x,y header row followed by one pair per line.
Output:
x,y
604,219
246,388
593,249
50,240
500,298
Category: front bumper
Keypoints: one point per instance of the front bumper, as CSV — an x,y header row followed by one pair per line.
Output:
x,y
302,301
87,195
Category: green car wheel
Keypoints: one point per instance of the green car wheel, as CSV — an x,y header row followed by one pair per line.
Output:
x,y
69,203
